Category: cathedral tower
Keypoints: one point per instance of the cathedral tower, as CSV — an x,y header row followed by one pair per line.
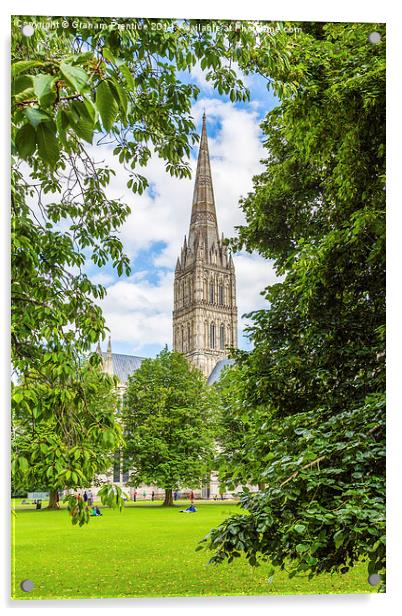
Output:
x,y
205,311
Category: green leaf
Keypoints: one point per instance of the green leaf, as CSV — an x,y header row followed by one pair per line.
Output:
x,y
84,129
25,141
43,85
107,54
106,104
301,548
339,538
300,528
24,65
48,146
80,58
35,116
122,95
23,464
21,83
91,110
81,122
74,75
127,76
18,396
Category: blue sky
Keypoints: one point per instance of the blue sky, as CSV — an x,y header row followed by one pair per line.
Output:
x,y
138,309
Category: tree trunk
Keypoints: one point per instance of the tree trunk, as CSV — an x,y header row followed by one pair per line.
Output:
x,y
168,502
261,486
53,500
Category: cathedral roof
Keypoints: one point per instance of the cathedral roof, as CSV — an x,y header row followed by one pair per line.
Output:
x,y
216,372
124,365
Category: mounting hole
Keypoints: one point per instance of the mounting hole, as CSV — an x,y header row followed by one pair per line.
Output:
x,y
27,585
27,30
374,579
374,38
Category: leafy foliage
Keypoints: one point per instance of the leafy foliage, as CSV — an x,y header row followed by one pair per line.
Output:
x,y
239,423
111,495
308,403
65,432
168,424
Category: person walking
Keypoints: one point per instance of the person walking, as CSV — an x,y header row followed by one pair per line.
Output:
x,y
153,496
192,495
85,497
135,496
175,495
90,498
144,495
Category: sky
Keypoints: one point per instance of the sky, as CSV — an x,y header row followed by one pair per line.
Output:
x,y
138,309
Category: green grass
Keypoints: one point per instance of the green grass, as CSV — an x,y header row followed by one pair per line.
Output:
x,y
145,551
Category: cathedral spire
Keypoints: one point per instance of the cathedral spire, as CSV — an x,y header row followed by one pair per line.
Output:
x,y
108,360
203,214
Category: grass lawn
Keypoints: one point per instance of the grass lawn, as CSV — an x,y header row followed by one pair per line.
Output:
x,y
145,551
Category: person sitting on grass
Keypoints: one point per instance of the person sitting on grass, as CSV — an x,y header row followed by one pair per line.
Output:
x,y
95,511
190,509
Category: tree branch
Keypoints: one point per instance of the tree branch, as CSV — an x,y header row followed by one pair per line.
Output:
x,y
309,465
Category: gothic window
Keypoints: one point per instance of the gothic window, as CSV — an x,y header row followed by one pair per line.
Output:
x,y
212,335
221,295
206,333
188,336
182,339
205,290
222,337
211,292
227,293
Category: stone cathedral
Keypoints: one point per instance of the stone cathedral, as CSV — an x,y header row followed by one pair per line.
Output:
x,y
205,311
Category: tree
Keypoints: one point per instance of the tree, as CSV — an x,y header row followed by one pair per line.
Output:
x,y
317,370
239,426
168,424
74,88
64,446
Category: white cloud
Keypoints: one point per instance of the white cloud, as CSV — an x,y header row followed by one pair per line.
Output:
x,y
253,274
102,278
138,313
